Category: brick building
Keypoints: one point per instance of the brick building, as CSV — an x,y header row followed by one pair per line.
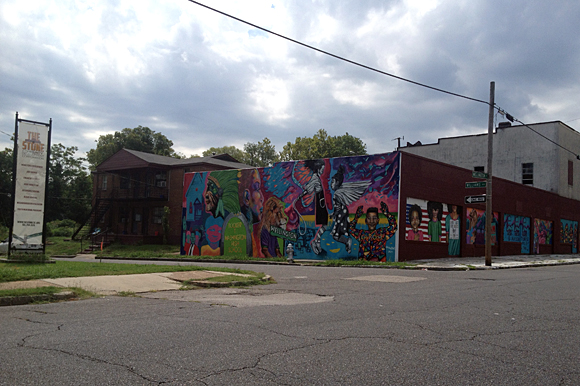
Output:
x,y
131,189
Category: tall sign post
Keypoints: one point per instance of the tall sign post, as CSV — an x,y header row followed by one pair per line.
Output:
x,y
488,206
29,186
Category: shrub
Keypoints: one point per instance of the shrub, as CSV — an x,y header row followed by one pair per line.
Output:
x,y
61,228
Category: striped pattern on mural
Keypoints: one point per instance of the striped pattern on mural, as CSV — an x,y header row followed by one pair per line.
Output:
x,y
424,227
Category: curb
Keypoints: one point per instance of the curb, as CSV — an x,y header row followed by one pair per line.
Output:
x,y
308,264
27,299
189,260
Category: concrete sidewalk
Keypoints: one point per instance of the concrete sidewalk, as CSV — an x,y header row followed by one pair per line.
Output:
x,y
497,262
114,284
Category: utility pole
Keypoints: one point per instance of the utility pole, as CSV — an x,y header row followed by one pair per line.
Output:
x,y
488,206
398,142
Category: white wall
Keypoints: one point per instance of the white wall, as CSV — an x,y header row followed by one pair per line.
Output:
x,y
513,146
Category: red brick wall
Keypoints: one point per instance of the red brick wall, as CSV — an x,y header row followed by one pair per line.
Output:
x,y
426,179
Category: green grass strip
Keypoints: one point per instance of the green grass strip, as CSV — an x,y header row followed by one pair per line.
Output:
x,y
29,271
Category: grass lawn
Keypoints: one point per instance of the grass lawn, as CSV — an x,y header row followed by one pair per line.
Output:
x,y
28,271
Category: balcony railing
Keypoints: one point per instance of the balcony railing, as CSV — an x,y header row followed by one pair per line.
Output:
x,y
140,192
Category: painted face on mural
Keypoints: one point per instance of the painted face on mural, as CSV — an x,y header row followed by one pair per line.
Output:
x,y
274,214
334,184
372,220
435,215
255,200
210,202
415,220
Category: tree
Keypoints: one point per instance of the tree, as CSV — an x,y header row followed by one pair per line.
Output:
x,y
6,162
140,138
230,150
321,145
69,185
260,154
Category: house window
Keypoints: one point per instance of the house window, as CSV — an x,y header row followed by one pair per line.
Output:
x,y
570,173
104,183
528,174
479,169
161,180
157,215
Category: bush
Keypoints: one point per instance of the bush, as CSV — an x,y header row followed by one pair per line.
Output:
x,y
61,228
4,232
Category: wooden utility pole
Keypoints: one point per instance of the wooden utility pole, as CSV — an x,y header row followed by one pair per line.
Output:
x,y
488,206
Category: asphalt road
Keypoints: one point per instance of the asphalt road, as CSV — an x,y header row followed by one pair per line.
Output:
x,y
316,326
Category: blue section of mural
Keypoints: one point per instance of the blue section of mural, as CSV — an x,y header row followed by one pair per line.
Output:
x,y
337,208
569,233
516,229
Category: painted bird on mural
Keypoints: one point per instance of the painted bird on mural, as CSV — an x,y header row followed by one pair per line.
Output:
x,y
345,193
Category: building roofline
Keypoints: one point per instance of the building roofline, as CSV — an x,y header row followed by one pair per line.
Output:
x,y
485,134
222,160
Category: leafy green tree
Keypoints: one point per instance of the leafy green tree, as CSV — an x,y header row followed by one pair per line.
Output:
x,y
140,138
260,154
321,145
6,161
69,186
230,150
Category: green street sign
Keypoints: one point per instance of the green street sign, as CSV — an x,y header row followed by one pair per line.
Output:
x,y
477,184
479,175
279,232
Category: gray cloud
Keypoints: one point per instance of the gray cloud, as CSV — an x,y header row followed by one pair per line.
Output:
x,y
205,84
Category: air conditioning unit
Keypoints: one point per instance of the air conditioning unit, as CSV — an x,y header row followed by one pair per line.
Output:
x,y
162,184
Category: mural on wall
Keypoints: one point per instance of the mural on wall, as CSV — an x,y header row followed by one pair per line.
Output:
x,y
542,233
569,233
453,229
435,222
516,229
328,209
475,227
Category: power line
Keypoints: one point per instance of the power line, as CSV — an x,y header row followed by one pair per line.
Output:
x,y
382,72
340,57
512,119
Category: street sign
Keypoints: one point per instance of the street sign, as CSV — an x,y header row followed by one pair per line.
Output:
x,y
479,175
475,199
477,184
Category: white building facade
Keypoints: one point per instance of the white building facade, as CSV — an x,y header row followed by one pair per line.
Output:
x,y
519,154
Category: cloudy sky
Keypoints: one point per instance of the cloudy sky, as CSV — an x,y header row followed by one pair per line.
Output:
x,y
204,80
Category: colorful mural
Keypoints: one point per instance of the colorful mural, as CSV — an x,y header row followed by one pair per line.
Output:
x,y
569,233
516,229
328,209
542,233
435,222
475,227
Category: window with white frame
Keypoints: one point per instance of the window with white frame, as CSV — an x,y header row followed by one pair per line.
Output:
x,y
161,180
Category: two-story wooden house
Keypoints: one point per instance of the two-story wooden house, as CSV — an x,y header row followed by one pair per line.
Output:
x,y
131,189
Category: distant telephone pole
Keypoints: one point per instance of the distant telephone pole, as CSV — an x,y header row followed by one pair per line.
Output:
x,y
399,141
488,206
